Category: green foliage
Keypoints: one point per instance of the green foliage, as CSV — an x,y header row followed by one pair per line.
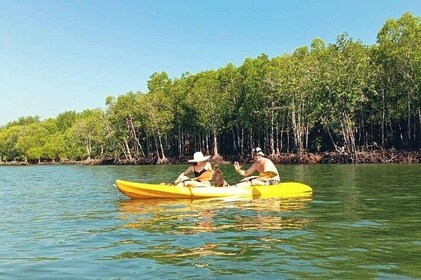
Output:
x,y
24,121
398,61
344,96
8,138
66,120
89,131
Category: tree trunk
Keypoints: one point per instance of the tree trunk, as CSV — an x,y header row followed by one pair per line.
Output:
x,y
348,136
272,131
419,123
133,131
180,140
383,118
242,141
163,159
126,145
333,141
157,149
409,119
298,128
215,144
281,142
207,144
234,142
251,141
88,148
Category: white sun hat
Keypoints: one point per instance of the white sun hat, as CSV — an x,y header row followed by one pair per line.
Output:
x,y
198,157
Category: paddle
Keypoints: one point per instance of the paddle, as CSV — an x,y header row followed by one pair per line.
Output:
x,y
263,175
267,174
205,176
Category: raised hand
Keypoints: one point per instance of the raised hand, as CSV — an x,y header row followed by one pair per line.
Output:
x,y
237,166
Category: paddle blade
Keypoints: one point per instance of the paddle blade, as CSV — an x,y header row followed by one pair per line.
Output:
x,y
205,176
267,174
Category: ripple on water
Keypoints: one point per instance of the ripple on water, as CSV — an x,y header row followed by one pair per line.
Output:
x,y
68,222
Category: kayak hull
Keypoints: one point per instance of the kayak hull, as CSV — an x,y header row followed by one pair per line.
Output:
x,y
138,190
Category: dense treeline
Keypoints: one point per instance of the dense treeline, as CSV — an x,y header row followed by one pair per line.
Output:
x,y
344,97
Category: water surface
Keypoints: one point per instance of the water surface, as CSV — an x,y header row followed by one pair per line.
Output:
x,y
68,222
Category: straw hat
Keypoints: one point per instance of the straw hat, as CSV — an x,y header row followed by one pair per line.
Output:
x,y
198,157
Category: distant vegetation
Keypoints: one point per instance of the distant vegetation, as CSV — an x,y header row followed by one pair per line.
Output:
x,y
344,97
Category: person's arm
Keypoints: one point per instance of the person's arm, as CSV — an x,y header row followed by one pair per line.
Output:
x,y
251,170
185,173
246,173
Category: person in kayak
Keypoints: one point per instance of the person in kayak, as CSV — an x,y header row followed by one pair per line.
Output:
x,y
268,172
202,171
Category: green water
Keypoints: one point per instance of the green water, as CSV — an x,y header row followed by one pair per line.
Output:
x,y
68,222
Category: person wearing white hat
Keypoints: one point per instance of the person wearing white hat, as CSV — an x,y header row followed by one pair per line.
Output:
x,y
202,172
268,172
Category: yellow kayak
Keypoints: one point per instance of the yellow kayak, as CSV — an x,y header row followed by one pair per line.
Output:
x,y
147,191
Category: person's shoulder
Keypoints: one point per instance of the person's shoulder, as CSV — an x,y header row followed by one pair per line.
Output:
x,y
268,160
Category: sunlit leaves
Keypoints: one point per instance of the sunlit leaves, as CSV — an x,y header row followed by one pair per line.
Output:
x,y
345,96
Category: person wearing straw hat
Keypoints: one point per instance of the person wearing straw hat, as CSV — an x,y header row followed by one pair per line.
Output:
x,y
202,172
268,173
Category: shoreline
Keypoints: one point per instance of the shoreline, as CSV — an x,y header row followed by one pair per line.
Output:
x,y
379,157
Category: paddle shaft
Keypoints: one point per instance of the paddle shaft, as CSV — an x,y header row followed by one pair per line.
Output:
x,y
263,175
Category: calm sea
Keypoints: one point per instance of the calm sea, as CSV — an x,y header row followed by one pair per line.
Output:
x,y
69,222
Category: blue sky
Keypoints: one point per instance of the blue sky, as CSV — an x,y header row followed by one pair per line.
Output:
x,y
58,55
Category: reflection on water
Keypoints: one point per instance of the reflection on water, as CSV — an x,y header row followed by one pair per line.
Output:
x,y
194,216
218,218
